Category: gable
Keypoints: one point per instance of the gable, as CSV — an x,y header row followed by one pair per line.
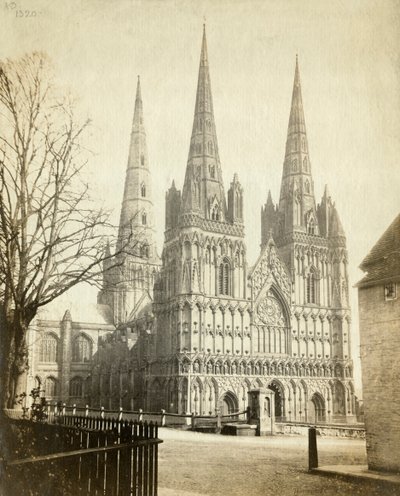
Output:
x,y
268,270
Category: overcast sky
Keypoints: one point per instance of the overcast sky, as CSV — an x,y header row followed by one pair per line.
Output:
x,y
349,65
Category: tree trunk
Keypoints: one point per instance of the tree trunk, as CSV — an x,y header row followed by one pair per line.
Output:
x,y
13,358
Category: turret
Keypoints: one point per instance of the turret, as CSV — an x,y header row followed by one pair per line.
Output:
x,y
235,201
172,207
268,219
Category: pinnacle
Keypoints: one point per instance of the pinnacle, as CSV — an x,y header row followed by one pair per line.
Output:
x,y
138,90
67,315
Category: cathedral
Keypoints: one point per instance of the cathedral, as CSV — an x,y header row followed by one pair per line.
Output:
x,y
216,327
199,327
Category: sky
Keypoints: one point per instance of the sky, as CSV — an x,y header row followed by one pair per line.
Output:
x,y
348,51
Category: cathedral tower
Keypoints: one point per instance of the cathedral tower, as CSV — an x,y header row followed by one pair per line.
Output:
x,y
128,286
201,305
311,242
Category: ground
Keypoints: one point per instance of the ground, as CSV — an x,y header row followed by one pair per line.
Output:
x,y
194,464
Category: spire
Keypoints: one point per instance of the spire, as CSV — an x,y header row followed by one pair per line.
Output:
x,y
297,202
203,191
136,219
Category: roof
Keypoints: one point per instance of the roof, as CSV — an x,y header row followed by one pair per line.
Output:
x,y
81,303
382,263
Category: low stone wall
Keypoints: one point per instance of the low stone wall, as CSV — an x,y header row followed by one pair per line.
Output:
x,y
331,430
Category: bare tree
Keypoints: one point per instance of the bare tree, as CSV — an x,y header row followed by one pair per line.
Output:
x,y
51,236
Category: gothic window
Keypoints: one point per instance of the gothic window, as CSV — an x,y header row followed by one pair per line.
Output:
x,y
187,249
311,226
215,214
212,171
307,186
305,164
50,387
295,144
144,218
142,159
48,348
312,287
294,165
76,387
82,349
390,291
143,190
144,251
224,277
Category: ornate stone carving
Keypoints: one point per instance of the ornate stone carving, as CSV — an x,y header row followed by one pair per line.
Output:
x,y
268,269
270,312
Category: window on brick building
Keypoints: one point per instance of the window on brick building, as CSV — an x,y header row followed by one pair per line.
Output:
x,y
390,291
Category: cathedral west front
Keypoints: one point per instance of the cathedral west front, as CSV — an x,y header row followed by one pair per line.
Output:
x,y
198,327
221,327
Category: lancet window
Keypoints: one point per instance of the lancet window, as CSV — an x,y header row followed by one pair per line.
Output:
x,y
312,286
50,387
224,278
76,387
82,349
48,348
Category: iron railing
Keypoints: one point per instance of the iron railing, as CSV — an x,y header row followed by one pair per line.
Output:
x,y
83,455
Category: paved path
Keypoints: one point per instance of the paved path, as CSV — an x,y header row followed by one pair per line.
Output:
x,y
194,464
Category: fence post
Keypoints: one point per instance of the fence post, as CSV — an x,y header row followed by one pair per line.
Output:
x,y
87,411
219,419
120,414
193,421
312,448
140,416
102,412
74,410
248,414
162,417
63,409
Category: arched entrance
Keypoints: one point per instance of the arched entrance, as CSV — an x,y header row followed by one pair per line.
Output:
x,y
316,409
278,399
229,404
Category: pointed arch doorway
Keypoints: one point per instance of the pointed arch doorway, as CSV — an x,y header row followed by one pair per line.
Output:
x,y
316,409
279,407
229,404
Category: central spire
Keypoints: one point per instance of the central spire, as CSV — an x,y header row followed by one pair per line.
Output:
x,y
203,191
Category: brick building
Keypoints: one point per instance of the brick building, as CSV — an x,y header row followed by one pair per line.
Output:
x,y
379,308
